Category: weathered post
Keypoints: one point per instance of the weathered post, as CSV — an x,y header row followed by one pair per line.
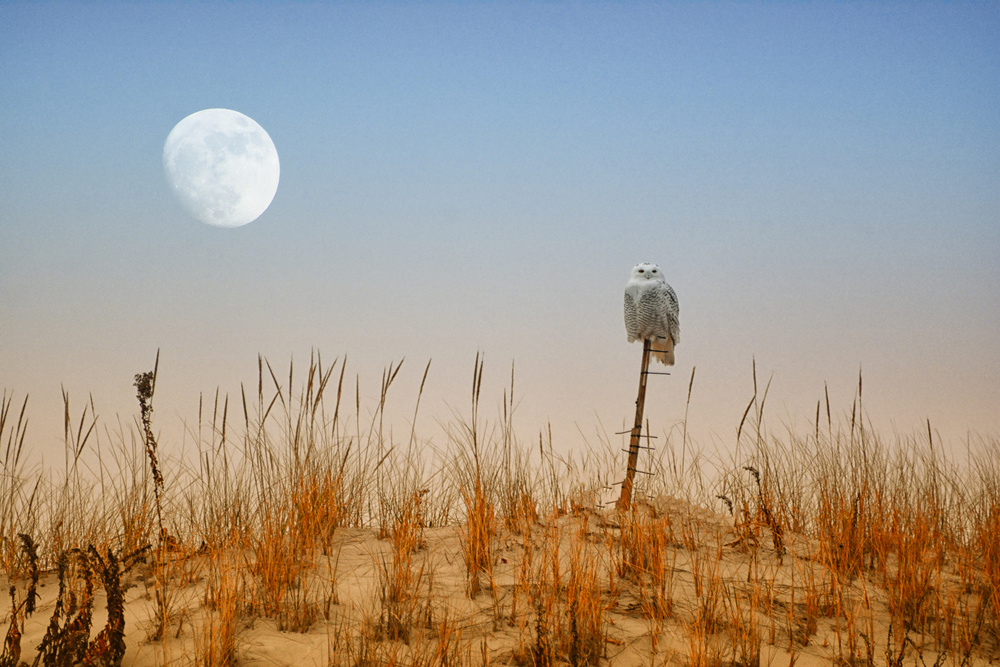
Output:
x,y
625,500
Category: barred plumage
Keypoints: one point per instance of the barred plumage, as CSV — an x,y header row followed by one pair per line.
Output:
x,y
651,312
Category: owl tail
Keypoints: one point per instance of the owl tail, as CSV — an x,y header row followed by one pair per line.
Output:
x,y
662,350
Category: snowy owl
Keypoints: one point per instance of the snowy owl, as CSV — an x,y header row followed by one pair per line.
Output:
x,y
651,311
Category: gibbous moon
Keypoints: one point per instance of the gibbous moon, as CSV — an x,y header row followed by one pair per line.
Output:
x,y
222,167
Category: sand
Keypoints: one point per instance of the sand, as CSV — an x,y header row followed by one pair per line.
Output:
x,y
714,572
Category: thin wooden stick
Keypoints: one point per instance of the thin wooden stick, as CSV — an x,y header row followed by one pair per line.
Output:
x,y
625,501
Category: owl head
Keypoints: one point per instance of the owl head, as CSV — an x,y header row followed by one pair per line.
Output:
x,y
647,271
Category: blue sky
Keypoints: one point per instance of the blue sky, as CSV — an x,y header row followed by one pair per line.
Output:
x,y
820,183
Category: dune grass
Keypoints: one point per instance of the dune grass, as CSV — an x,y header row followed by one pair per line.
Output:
x,y
305,517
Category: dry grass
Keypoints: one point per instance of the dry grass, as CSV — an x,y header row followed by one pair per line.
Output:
x,y
302,518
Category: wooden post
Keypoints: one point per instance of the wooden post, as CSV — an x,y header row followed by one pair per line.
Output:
x,y
625,501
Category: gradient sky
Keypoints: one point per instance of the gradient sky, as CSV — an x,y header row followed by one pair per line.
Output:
x,y
820,183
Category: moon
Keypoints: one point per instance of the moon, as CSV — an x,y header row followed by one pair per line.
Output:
x,y
222,167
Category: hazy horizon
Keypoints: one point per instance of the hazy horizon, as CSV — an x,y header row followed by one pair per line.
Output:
x,y
820,184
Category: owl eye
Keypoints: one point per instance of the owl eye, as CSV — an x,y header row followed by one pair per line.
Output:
x,y
654,270
640,270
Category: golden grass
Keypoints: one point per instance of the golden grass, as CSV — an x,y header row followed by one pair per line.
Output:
x,y
298,519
